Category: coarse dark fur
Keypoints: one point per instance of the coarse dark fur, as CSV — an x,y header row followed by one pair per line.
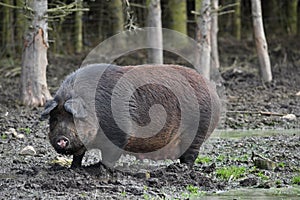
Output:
x,y
62,115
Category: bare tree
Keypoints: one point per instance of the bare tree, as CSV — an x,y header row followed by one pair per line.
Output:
x,y
116,15
204,38
178,15
214,35
155,55
34,90
78,28
292,7
260,41
237,20
7,30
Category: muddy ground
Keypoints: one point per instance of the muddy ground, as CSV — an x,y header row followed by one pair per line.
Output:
x,y
224,162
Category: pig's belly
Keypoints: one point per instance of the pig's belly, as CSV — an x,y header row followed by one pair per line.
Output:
x,y
159,147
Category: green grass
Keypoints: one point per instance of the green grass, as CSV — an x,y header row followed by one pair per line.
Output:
x,y
123,194
3,137
26,130
192,192
203,159
278,182
296,180
281,164
242,158
263,176
220,158
231,171
192,189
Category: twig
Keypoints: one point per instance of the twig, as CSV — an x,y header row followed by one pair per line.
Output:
x,y
257,113
10,6
137,5
228,6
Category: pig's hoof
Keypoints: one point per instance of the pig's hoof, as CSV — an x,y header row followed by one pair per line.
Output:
x,y
76,165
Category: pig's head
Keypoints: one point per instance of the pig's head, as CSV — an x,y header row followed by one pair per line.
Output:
x,y
63,135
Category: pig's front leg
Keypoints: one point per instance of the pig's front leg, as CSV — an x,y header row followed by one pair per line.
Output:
x,y
77,159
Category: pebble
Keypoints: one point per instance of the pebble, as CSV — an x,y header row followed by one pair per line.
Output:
x,y
15,133
298,93
28,150
290,117
20,136
12,131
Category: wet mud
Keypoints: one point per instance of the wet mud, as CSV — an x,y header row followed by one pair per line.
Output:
x,y
224,163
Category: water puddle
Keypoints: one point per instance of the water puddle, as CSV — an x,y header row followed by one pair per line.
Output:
x,y
257,194
236,134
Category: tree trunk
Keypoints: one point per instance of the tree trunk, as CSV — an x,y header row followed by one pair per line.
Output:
x,y
237,20
155,54
214,35
204,40
78,28
198,4
178,16
292,6
7,30
117,17
20,26
34,90
298,22
260,41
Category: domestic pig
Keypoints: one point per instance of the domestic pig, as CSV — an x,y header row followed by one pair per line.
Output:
x,y
86,111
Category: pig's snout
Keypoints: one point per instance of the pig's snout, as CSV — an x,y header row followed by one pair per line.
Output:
x,y
62,142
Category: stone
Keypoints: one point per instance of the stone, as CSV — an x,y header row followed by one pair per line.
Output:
x,y
28,150
12,131
290,117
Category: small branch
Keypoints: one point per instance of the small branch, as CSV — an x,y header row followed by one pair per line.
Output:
x,y
52,10
257,113
219,10
137,5
130,20
226,12
228,6
10,6
26,8
63,8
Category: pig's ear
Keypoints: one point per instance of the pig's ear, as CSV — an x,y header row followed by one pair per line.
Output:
x,y
49,106
75,106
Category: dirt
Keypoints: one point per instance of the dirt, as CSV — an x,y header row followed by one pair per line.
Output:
x,y
250,105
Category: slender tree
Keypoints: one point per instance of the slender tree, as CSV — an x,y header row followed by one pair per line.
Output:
x,y
117,16
260,41
34,90
7,29
237,20
78,28
20,25
155,55
204,38
178,16
198,4
214,35
292,6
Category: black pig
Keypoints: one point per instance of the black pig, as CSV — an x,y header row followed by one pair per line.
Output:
x,y
189,115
